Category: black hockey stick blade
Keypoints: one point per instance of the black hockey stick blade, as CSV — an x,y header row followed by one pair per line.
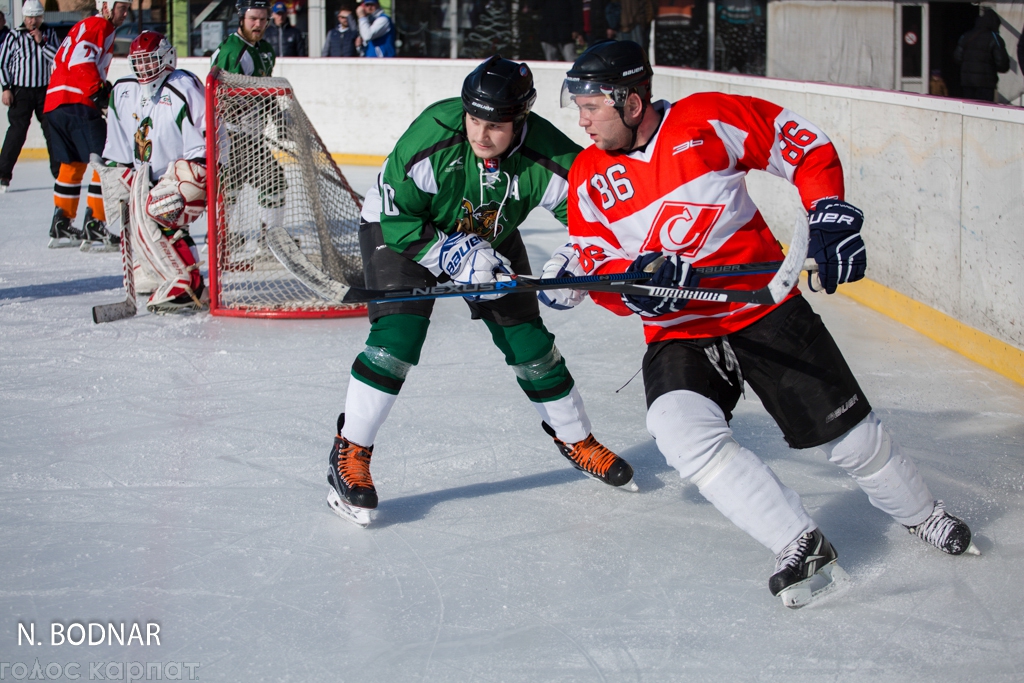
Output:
x,y
108,313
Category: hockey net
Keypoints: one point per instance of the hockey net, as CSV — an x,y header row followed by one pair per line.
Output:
x,y
269,170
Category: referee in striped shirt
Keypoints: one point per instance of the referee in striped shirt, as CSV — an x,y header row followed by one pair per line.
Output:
x,y
26,60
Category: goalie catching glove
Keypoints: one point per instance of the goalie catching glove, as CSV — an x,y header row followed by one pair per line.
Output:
x,y
180,196
471,260
565,262
836,244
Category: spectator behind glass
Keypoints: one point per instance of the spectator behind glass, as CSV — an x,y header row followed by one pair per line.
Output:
x,y
5,30
561,26
283,37
981,54
343,40
635,21
376,30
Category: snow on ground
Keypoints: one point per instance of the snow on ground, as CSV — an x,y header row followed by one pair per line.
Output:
x,y
172,470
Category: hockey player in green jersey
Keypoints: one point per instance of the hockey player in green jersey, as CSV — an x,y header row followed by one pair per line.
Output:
x,y
447,205
244,51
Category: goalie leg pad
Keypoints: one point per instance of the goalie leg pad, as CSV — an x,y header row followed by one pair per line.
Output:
x,y
171,258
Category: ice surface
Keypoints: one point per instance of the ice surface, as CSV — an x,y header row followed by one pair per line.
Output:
x,y
172,470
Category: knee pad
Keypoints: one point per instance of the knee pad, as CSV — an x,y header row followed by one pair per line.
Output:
x,y
691,432
862,451
400,335
533,370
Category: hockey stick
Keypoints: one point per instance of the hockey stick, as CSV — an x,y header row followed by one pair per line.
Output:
x,y
785,278
291,257
105,313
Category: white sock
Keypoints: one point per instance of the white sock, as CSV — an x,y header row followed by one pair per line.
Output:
x,y
749,494
567,417
366,409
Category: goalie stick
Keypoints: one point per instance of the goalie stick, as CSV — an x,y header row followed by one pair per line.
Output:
x,y
785,278
105,313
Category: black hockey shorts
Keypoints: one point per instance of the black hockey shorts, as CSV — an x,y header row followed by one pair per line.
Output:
x,y
76,131
386,269
790,361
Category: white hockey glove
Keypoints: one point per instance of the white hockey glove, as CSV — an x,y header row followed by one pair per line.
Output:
x,y
471,260
180,196
564,262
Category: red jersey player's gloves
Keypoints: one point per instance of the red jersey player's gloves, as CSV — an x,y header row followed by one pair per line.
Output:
x,y
565,262
470,260
836,244
101,98
673,272
180,196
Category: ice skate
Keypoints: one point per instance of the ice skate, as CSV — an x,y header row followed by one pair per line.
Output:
x,y
352,495
188,302
594,460
944,531
95,235
62,233
806,570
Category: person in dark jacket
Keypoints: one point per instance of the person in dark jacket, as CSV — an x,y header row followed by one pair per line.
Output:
x,y
561,25
981,54
343,40
5,30
286,40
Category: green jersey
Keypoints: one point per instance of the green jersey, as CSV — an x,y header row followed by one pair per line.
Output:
x,y
237,56
432,184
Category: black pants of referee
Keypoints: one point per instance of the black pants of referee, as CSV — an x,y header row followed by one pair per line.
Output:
x,y
27,101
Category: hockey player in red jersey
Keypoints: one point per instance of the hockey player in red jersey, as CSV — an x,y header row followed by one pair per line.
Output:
x,y
76,95
666,181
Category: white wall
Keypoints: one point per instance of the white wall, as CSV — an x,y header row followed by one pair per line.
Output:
x,y
941,181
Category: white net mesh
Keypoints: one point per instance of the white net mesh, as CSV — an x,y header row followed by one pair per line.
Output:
x,y
273,171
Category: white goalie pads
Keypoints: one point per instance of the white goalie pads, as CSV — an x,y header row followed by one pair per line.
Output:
x,y
172,263
180,196
116,183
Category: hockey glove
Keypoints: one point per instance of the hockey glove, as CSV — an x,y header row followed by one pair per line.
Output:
x,y
471,260
180,196
673,272
101,98
565,262
836,244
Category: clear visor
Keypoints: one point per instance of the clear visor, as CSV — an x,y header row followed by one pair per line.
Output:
x,y
594,100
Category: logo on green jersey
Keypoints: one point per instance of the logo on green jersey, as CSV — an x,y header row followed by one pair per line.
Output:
x,y
143,145
482,221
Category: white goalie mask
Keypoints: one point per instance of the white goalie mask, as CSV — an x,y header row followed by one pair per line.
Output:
x,y
152,59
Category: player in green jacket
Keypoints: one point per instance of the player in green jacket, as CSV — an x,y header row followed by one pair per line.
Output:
x,y
244,51
251,160
447,205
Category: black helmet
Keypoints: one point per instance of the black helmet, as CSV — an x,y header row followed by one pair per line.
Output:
x,y
611,67
243,6
499,90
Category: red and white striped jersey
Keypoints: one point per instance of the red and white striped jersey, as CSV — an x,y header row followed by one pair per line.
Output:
x,y
81,63
685,193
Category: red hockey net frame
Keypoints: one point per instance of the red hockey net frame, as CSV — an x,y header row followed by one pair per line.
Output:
x,y
267,164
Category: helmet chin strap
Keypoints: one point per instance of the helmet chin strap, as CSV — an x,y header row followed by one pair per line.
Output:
x,y
634,130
